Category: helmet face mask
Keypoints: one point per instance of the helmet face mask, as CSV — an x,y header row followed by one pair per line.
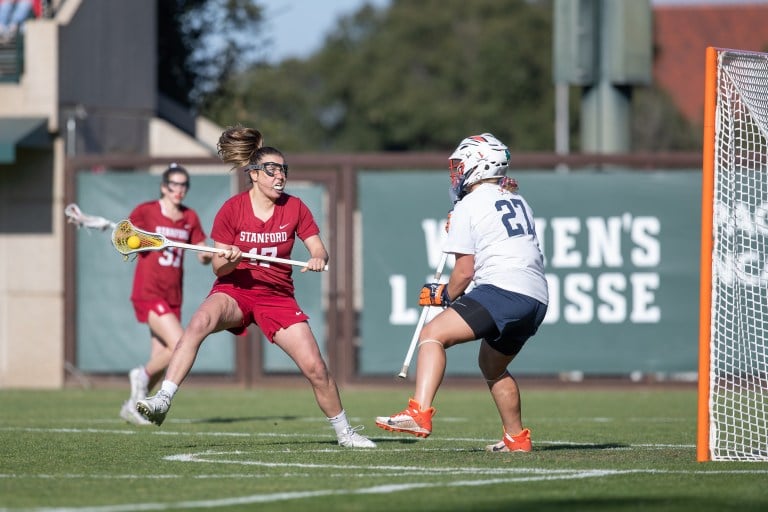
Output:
x,y
477,158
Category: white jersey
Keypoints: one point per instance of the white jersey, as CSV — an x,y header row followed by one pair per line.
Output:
x,y
497,227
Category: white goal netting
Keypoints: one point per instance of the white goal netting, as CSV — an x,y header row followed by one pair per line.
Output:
x,y
738,357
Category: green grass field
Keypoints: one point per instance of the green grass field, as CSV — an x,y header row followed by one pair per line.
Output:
x,y
272,450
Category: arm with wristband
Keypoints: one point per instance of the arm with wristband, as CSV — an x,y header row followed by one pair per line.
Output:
x,y
437,294
443,294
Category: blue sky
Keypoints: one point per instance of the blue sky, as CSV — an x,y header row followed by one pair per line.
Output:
x,y
297,28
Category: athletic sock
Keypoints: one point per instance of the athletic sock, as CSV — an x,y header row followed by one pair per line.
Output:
x,y
169,387
144,376
339,422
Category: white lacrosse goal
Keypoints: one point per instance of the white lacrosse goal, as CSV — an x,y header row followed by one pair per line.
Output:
x,y
733,341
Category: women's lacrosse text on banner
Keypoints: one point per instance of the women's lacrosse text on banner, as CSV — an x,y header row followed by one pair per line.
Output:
x,y
621,256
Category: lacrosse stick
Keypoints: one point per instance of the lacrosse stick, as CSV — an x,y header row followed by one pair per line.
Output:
x,y
78,218
128,239
423,318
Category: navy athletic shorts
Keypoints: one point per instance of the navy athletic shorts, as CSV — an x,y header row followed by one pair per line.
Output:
x,y
502,318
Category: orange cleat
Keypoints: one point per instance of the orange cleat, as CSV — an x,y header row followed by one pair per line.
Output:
x,y
517,443
412,420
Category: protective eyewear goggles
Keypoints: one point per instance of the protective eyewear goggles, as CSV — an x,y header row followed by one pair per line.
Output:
x,y
269,168
177,185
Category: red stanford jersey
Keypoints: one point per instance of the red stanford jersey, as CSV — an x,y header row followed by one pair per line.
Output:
x,y
160,273
235,224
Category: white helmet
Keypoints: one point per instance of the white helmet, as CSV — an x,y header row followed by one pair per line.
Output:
x,y
478,157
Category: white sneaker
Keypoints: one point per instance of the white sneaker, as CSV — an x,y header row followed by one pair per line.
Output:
x,y
155,407
138,384
129,413
351,439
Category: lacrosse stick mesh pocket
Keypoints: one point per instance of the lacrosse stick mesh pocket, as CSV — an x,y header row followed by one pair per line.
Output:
x,y
147,241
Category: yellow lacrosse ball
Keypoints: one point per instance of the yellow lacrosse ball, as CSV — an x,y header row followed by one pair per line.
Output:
x,y
133,242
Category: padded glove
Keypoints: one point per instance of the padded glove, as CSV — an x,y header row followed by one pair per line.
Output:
x,y
434,294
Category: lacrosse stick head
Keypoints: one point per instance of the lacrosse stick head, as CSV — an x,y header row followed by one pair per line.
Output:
x,y
147,241
477,158
81,220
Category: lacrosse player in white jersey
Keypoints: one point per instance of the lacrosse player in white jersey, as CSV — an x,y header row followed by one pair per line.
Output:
x,y
493,238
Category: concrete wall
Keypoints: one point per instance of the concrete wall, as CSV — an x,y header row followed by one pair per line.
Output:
x,y
32,308
31,266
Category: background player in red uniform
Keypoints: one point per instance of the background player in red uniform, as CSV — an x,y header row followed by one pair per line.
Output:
x,y
157,282
266,221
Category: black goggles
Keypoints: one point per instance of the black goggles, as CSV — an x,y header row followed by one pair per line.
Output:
x,y
269,168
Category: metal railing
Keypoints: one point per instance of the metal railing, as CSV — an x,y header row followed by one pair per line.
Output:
x,y
12,59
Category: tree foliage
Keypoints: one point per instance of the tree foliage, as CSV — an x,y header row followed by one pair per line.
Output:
x,y
414,76
657,125
201,43
421,76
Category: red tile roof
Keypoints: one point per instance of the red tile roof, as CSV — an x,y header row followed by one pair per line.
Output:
x,y
681,36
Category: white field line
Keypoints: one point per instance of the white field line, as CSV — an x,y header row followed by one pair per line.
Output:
x,y
457,419
130,432
492,476
525,475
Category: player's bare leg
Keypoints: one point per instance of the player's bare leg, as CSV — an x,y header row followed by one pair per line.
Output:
x,y
503,387
506,395
166,332
300,344
217,312
443,331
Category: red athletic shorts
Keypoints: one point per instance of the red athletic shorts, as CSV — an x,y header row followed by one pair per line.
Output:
x,y
261,307
159,306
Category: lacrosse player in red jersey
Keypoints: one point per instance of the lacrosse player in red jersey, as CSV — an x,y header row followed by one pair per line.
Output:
x,y
158,279
263,220
493,238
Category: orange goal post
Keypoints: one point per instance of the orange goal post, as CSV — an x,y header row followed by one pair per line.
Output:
x,y
733,304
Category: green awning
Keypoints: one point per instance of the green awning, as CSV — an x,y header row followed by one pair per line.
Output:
x,y
26,132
